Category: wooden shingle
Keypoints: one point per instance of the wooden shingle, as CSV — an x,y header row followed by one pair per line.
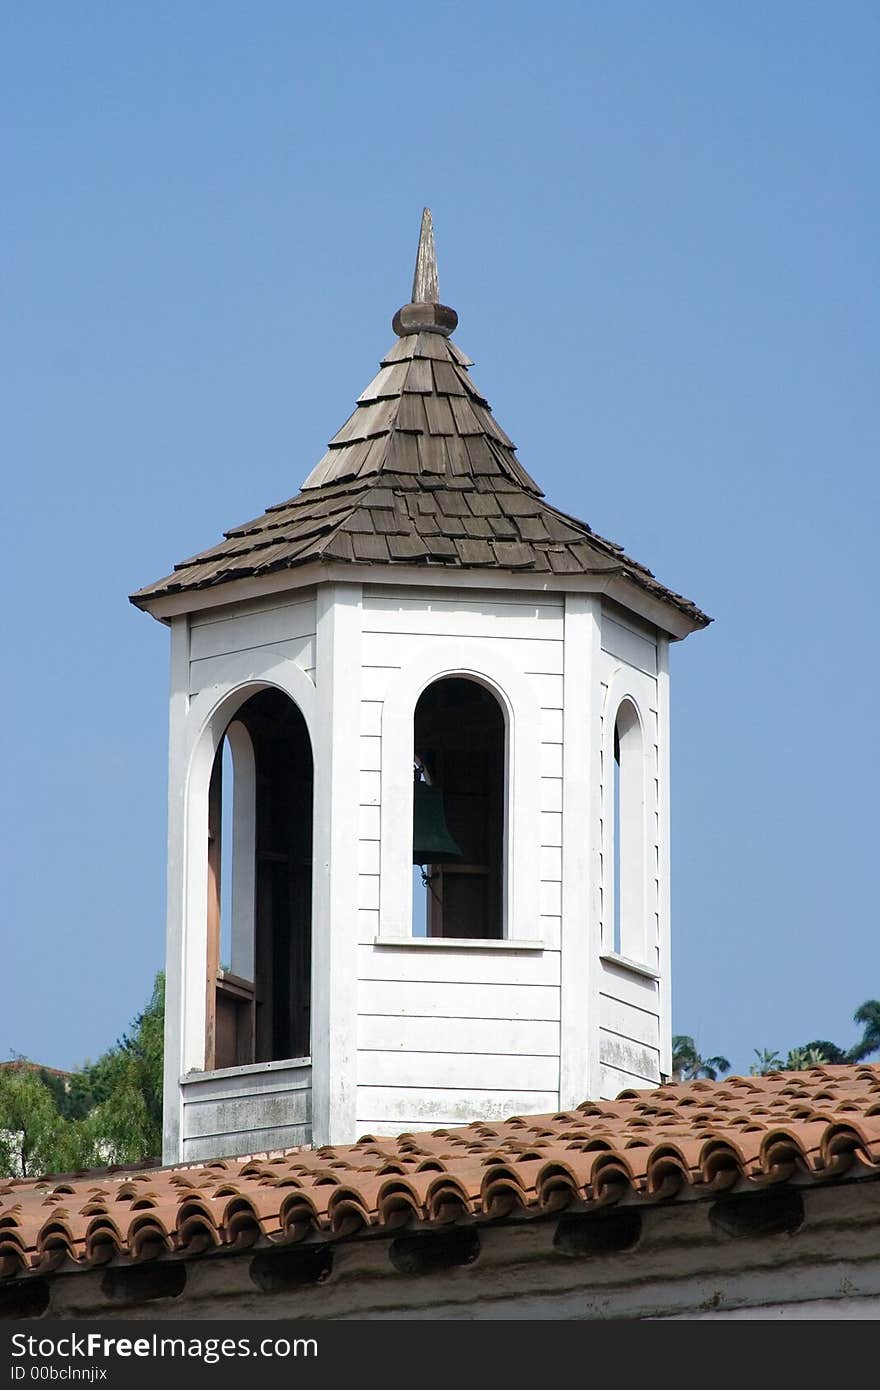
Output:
x,y
419,474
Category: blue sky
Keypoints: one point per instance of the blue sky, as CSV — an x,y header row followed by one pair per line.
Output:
x,y
659,226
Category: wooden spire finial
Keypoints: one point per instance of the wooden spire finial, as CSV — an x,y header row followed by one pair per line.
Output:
x,y
426,283
425,313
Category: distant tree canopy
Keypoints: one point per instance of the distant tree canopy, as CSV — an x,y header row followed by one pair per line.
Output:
x,y
110,1111
687,1064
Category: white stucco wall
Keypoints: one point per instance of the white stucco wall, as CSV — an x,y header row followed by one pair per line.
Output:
x,y
681,1266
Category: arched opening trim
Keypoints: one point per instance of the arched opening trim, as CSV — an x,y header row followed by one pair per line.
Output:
x,y
628,833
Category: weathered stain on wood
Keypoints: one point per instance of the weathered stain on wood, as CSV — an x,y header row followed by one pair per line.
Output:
x,y
426,283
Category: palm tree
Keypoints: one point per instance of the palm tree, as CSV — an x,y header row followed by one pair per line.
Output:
x,y
868,1014
802,1058
767,1062
831,1054
688,1065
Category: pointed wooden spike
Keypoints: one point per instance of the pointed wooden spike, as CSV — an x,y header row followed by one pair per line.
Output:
x,y
425,313
426,284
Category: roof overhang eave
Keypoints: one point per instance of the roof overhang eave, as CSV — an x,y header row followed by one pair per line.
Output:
x,y
675,621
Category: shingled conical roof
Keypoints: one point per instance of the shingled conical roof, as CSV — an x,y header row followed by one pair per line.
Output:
x,y
420,475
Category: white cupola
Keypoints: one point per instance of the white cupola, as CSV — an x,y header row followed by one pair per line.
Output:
x,y
418,853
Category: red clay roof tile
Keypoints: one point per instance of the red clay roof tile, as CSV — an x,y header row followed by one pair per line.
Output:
x,y
688,1139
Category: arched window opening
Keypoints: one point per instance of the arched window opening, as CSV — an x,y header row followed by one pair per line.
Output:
x,y
628,831
458,810
227,854
260,887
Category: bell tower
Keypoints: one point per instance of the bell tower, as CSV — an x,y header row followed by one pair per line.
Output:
x,y
418,856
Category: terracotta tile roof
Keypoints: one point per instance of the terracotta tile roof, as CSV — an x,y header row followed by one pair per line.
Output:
x,y
25,1064
420,474
680,1141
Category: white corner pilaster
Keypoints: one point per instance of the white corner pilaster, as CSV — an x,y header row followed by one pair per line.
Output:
x,y
176,888
579,1007
663,904
335,915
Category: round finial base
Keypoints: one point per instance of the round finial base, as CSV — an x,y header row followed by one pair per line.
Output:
x,y
424,318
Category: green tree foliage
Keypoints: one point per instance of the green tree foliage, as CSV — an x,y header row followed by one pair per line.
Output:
x,y
830,1053
766,1062
868,1014
34,1137
802,1058
688,1065
125,1087
110,1112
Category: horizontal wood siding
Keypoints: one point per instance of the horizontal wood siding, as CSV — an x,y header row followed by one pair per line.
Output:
x,y
446,1036
628,1021
420,1071
463,1036
614,1081
630,646
237,645
631,1057
248,1141
423,999
246,1111
389,1110
453,965
629,987
630,1015
443,615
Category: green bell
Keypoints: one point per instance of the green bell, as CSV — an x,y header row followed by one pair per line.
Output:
x,y
432,842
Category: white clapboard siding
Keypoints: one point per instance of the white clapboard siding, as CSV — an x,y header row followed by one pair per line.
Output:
x,y
254,629
376,681
639,1025
551,759
368,924
550,932
425,1071
529,1037
551,898
551,726
467,965
548,689
371,753
614,1081
368,891
369,823
404,1106
234,1082
422,999
368,856
246,1109
371,717
249,663
551,863
456,617
234,1116
246,1141
629,646
551,828
371,789
627,1056
631,988
551,795
530,654
392,1128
